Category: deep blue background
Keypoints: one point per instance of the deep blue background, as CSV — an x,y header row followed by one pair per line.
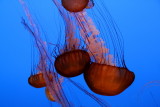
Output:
x,y
139,22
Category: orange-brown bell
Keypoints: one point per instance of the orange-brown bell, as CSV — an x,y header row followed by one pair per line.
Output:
x,y
49,95
38,80
72,63
108,80
75,5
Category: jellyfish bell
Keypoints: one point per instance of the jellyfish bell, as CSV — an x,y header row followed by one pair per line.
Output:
x,y
72,63
49,95
37,80
107,74
75,5
108,80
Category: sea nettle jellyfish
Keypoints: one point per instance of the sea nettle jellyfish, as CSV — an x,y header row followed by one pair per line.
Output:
x,y
107,74
45,65
108,80
37,80
72,63
71,58
75,5
54,89
49,95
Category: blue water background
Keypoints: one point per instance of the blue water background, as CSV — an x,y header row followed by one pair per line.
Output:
x,y
139,22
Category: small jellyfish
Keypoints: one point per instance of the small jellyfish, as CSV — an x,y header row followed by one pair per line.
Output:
x,y
37,80
45,64
75,5
49,95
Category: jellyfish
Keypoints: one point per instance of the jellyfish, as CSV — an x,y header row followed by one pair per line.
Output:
x,y
86,50
107,73
45,61
75,5
49,95
54,89
72,63
37,80
71,58
108,80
